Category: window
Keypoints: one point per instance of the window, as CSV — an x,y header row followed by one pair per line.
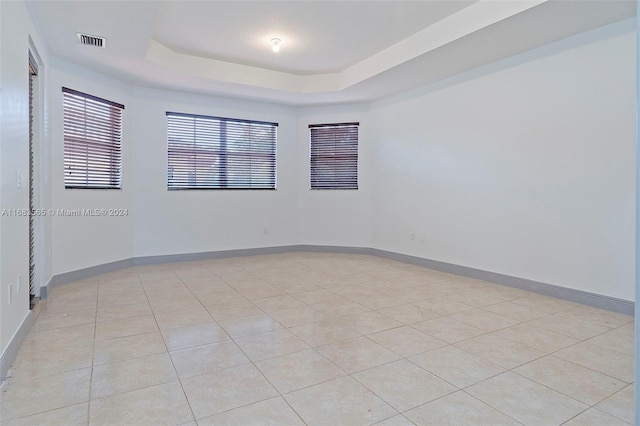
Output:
x,y
220,153
334,156
92,141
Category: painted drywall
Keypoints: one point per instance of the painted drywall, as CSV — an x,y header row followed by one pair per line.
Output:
x,y
525,167
175,222
16,29
84,241
336,217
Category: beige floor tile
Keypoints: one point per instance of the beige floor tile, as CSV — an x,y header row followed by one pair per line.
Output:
x,y
30,364
274,411
124,310
270,344
298,316
474,299
52,321
602,317
249,325
403,385
125,376
226,389
456,366
448,329
516,312
123,348
498,350
526,401
221,298
484,320
409,313
445,323
163,404
260,292
168,305
593,417
357,354
444,306
109,300
294,287
125,327
278,303
317,296
193,335
619,405
324,333
207,358
341,401
539,338
64,305
545,304
606,361
458,409
406,341
183,318
575,327
619,340
398,420
22,398
571,379
370,322
381,301
175,292
73,415
200,286
51,340
234,310
298,370
339,307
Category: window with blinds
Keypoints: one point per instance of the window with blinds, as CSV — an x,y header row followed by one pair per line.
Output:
x,y
334,156
220,153
92,141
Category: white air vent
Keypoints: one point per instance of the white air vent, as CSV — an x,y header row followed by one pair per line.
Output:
x,y
90,40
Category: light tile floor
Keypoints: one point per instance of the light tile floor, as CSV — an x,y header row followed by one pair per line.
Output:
x,y
318,339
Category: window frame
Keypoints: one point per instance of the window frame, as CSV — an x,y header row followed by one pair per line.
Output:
x,y
224,154
83,112
343,177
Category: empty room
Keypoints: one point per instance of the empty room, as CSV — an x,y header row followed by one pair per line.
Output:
x,y
318,212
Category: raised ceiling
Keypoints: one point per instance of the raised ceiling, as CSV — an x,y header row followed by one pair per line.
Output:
x,y
332,51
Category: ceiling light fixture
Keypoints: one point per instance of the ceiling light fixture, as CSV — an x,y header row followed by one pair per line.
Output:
x,y
275,44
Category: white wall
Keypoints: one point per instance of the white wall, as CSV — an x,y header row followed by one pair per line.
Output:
x,y
525,167
336,217
175,222
16,27
81,242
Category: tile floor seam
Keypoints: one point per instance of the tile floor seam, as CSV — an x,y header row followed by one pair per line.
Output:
x,y
171,360
337,319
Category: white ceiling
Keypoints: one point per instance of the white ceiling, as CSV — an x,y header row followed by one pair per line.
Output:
x,y
332,51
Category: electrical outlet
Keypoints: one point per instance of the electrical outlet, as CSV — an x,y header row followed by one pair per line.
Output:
x,y
266,231
413,236
423,238
9,294
18,284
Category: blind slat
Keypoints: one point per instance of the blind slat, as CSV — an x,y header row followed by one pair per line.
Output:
x,y
92,141
220,153
334,156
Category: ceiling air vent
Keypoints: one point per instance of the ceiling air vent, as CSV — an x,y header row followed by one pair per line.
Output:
x,y
90,40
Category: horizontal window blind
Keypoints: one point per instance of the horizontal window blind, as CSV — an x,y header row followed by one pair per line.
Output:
x,y
220,153
92,141
334,156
